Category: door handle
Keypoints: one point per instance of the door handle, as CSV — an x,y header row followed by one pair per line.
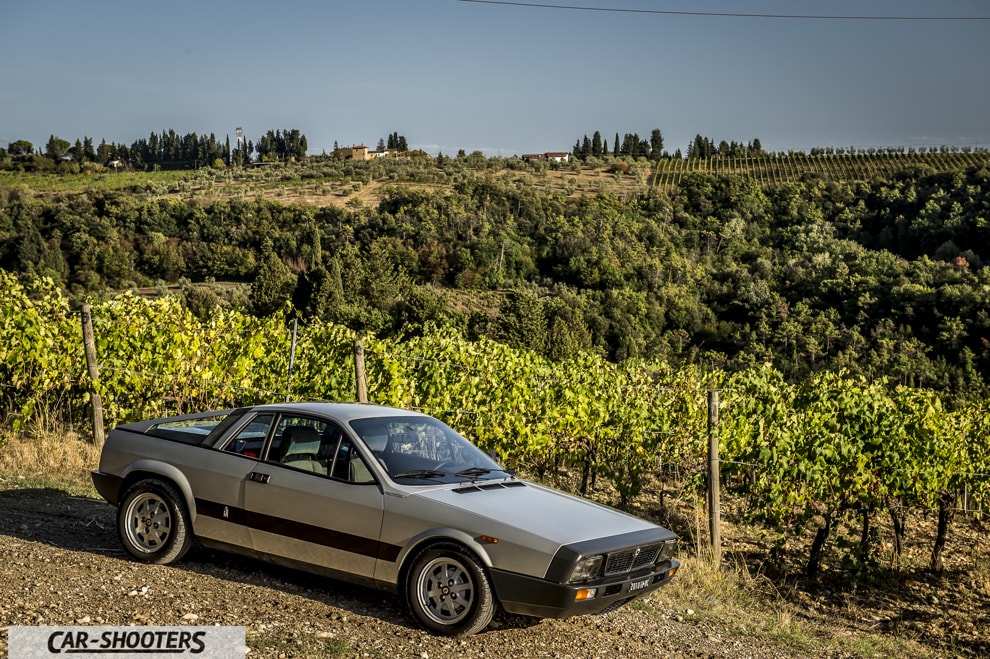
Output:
x,y
258,478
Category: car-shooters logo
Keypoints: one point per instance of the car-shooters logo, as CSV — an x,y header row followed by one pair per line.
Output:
x,y
122,642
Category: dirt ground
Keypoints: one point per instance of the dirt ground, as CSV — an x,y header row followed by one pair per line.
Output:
x,y
61,564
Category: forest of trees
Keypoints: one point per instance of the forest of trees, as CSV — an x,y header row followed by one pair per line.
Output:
x,y
885,278
633,146
165,150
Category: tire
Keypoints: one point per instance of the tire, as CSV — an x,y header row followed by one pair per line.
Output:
x,y
448,591
153,522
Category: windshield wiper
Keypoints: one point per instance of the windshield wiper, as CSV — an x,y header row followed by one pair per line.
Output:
x,y
420,473
473,471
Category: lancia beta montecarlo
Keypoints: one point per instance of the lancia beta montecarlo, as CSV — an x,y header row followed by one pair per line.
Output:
x,y
382,497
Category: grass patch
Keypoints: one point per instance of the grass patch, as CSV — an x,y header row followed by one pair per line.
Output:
x,y
749,606
45,454
299,645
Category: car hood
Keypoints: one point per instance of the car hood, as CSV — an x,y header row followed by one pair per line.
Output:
x,y
553,515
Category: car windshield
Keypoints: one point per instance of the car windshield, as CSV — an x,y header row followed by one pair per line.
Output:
x,y
423,450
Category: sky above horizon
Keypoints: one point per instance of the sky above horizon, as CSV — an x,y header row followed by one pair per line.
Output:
x,y
500,78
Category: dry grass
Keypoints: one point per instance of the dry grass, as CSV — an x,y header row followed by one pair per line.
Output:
x,y
47,454
747,605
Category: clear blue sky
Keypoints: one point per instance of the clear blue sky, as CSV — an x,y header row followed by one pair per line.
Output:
x,y
452,75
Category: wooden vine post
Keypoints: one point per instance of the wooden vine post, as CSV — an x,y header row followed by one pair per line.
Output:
x,y
714,504
96,401
360,375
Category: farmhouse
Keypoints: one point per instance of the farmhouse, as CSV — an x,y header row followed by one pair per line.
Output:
x,y
361,152
556,156
356,152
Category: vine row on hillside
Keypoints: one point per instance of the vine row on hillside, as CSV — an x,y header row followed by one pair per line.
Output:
x,y
806,456
774,170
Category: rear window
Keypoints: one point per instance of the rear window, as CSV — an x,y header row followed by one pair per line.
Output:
x,y
187,431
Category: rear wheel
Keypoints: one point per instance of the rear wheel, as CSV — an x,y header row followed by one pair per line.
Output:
x,y
448,591
153,522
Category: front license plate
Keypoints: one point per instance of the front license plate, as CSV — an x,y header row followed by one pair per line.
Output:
x,y
636,585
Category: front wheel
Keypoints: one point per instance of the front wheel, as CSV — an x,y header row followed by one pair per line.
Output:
x,y
448,591
153,522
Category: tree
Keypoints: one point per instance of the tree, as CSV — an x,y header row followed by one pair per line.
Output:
x,y
381,144
274,283
521,322
656,144
397,142
103,152
567,333
57,149
596,145
701,147
476,160
633,146
616,146
20,148
88,152
314,292
76,151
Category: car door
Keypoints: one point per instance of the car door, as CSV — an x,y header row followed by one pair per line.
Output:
x,y
218,477
310,500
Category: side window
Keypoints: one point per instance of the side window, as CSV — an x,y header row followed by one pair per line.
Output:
x,y
319,447
304,443
290,433
251,438
349,466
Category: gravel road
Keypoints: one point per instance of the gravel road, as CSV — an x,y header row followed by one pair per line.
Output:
x,y
60,564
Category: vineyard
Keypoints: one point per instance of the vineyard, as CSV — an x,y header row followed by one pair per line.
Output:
x,y
771,170
819,457
329,182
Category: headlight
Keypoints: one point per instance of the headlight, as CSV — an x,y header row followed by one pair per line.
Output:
x,y
667,551
586,568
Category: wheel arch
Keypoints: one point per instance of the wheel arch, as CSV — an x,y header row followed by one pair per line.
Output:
x,y
454,537
144,469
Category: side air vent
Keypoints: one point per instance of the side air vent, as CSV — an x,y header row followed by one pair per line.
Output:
x,y
467,489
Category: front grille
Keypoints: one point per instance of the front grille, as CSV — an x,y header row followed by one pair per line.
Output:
x,y
627,560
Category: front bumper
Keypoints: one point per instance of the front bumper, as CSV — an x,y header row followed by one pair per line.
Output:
x,y
531,596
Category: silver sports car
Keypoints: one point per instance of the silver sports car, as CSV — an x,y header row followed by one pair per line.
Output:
x,y
384,497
